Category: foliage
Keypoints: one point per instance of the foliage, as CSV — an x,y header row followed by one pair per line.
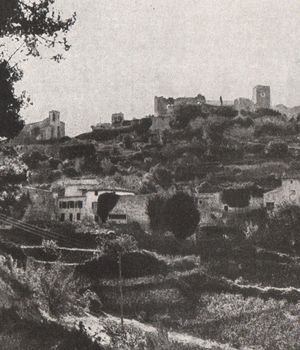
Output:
x,y
162,176
37,24
273,129
281,230
127,141
180,215
154,210
70,172
143,126
185,113
119,245
75,151
54,288
224,111
106,203
50,248
277,149
10,105
261,112
32,159
108,167
29,25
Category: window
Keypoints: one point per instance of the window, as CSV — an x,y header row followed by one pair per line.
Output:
x,y
96,193
60,205
94,205
291,181
71,204
270,205
62,217
71,217
64,205
78,216
117,216
79,204
226,207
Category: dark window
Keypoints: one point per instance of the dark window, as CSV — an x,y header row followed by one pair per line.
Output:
x,y
71,204
226,207
78,216
64,205
291,181
117,216
96,193
270,205
71,217
79,204
60,204
62,217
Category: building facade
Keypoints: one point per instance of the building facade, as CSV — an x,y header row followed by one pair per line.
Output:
x,y
48,129
262,96
287,194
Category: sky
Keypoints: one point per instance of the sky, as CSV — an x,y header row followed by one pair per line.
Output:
x,y
124,52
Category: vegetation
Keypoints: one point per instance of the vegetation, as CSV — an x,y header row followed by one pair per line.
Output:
x,y
180,215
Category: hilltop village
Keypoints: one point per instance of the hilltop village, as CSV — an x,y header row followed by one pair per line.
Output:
x,y
165,220
202,147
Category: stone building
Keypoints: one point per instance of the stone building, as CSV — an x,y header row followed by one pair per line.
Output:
x,y
48,129
287,194
262,96
79,199
244,104
166,106
117,119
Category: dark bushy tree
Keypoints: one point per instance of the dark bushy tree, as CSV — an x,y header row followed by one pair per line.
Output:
x,y
180,215
10,105
143,126
155,206
162,176
106,203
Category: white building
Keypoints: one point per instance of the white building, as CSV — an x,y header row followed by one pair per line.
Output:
x,y
287,194
80,199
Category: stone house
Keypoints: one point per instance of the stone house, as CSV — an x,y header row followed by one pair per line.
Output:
x,y
48,129
287,194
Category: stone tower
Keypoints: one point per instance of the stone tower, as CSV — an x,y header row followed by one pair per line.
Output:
x,y
262,96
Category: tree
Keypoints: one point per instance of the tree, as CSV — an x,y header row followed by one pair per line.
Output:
x,y
116,248
106,202
162,176
154,210
28,26
181,215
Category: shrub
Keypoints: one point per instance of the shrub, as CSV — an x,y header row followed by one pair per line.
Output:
x,y
127,141
75,151
70,172
184,114
276,149
143,126
32,159
162,176
180,215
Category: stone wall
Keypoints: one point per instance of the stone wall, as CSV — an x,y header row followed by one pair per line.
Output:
x,y
134,207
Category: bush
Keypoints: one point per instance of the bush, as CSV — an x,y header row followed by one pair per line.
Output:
x,y
75,151
184,114
162,176
181,215
32,159
70,172
276,149
134,264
